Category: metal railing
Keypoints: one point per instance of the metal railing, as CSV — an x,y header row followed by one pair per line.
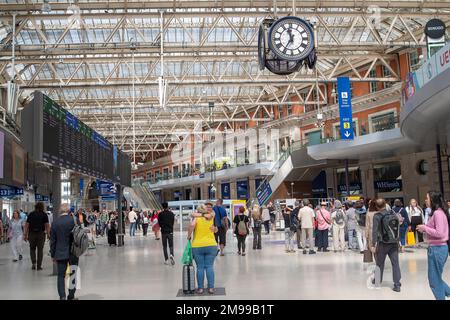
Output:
x,y
9,124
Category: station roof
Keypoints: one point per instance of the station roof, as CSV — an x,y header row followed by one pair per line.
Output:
x,y
101,59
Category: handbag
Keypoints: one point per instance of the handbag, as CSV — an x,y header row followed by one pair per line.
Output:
x,y
186,259
367,256
410,238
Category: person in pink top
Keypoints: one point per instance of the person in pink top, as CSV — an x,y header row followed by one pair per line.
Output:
x,y
437,230
323,217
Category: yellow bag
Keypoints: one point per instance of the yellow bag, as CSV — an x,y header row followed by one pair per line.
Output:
x,y
410,238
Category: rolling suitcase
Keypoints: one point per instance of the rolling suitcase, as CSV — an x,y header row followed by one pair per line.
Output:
x,y
188,279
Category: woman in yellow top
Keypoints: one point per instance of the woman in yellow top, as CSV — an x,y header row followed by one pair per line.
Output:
x,y
204,246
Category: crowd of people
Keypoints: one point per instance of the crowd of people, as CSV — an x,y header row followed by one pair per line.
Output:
x,y
371,227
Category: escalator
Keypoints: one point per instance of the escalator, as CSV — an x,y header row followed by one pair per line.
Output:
x,y
293,165
142,196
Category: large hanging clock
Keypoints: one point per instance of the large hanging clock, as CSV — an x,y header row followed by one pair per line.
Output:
x,y
291,38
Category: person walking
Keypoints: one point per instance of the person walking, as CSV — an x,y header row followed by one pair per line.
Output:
x,y
323,225
61,240
145,222
361,216
273,216
204,247
103,222
404,222
306,218
352,223
15,235
437,231
241,222
385,238
112,226
298,232
221,222
155,225
166,220
371,211
416,217
266,218
338,219
257,226
289,229
36,228
132,218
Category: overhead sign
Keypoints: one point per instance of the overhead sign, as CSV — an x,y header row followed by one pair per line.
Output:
x,y
6,191
225,188
435,29
264,192
431,68
345,108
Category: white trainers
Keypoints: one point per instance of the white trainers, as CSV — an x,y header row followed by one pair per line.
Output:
x,y
172,260
166,262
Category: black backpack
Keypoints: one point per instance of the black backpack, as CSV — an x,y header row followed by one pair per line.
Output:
x,y
390,227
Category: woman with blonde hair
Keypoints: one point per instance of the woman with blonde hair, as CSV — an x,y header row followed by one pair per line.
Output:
x,y
257,226
204,246
416,217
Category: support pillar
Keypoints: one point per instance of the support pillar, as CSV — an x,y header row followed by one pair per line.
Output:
x,y
439,164
120,234
56,191
347,183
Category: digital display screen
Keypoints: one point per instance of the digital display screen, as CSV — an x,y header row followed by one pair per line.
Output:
x,y
71,144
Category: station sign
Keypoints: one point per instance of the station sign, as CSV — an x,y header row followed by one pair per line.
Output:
x,y
345,108
6,191
435,29
388,185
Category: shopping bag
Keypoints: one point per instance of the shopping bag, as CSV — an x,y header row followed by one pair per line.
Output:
x,y
368,256
186,259
410,239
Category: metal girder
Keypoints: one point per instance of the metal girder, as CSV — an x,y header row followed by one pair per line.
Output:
x,y
229,4
92,76
200,82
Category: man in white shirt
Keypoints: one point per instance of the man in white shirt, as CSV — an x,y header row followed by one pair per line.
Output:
x,y
132,217
306,219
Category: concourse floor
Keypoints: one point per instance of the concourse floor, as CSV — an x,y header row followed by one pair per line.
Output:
x,y
136,271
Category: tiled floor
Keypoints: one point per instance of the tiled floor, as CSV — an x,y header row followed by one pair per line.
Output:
x,y
136,271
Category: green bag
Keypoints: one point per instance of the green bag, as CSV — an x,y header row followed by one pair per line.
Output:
x,y
187,254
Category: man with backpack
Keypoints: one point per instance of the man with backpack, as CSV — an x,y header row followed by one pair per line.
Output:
x,y
61,241
221,222
290,227
166,220
338,217
386,235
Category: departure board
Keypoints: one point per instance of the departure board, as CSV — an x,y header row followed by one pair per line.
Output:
x,y
71,144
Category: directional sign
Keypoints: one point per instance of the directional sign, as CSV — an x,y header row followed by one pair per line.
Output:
x,y
264,192
345,108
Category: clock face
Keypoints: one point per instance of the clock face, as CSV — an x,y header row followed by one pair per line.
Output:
x,y
291,38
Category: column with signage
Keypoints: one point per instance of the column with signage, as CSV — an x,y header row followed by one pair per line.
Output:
x,y
346,118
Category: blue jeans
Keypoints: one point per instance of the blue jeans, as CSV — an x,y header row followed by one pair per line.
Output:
x,y
204,259
132,229
437,256
403,235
